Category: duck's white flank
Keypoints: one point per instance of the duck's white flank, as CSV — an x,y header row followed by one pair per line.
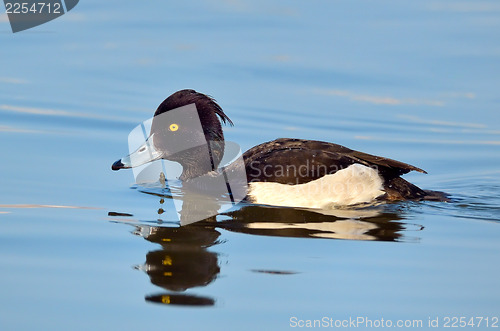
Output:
x,y
350,186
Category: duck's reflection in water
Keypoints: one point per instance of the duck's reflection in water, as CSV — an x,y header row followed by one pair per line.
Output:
x,y
363,224
185,261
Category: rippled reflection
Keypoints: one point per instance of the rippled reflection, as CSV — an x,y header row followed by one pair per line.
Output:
x,y
183,262
365,224
180,299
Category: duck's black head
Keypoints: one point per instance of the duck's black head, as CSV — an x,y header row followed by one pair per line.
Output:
x,y
176,135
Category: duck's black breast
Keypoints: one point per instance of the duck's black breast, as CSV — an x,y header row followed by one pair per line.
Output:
x,y
298,161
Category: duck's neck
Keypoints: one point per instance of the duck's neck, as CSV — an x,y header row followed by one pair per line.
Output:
x,y
196,162
191,172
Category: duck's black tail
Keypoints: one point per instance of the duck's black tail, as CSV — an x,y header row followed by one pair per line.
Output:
x,y
436,196
399,189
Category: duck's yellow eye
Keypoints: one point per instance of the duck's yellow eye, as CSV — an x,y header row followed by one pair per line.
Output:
x,y
173,127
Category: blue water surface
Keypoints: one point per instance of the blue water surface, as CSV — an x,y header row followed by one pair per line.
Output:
x,y
82,248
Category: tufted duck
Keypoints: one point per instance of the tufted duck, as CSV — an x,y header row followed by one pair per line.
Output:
x,y
285,171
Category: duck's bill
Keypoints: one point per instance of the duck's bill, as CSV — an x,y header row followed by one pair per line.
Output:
x,y
123,163
144,154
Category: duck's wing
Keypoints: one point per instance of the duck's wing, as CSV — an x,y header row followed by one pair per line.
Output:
x,y
400,168
297,161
